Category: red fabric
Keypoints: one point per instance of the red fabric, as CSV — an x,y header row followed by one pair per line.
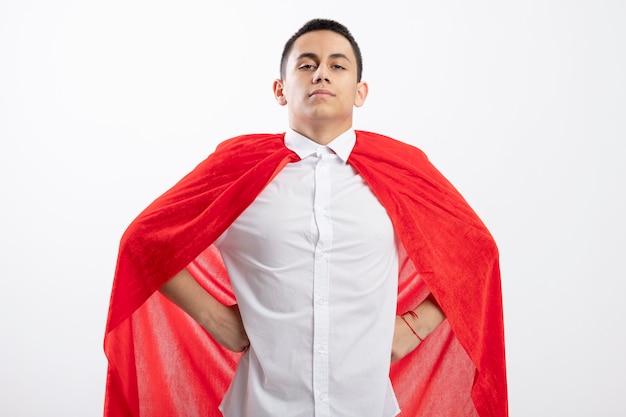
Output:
x,y
162,363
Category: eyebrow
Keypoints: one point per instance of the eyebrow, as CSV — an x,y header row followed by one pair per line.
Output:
x,y
314,56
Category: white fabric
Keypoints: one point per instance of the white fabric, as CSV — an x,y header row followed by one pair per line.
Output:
x,y
314,266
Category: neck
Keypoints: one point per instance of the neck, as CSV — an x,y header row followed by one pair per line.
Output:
x,y
322,134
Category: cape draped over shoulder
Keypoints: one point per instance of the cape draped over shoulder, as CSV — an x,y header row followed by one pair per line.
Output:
x,y
161,362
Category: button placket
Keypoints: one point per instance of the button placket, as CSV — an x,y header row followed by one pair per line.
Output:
x,y
321,313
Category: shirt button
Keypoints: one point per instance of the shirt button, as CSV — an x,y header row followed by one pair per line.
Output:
x,y
321,350
321,301
323,397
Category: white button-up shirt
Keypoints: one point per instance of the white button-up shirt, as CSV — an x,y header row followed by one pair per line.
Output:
x,y
314,266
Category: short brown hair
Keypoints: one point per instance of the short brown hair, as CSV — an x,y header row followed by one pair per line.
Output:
x,y
322,24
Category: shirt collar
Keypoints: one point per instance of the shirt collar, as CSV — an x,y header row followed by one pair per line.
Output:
x,y
342,145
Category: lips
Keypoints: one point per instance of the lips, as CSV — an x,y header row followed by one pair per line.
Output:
x,y
321,92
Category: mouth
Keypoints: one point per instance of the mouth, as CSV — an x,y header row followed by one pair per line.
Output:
x,y
321,92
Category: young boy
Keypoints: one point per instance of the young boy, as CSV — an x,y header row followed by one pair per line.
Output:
x,y
323,254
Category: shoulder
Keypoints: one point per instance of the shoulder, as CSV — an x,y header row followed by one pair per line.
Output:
x,y
385,145
265,140
238,154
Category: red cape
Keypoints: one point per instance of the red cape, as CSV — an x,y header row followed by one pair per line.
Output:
x,y
162,363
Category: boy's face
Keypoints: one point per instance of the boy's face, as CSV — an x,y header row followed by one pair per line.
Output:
x,y
320,84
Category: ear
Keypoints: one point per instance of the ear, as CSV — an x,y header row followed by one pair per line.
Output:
x,y
279,92
361,94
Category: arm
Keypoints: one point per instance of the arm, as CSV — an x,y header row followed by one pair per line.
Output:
x,y
222,322
429,316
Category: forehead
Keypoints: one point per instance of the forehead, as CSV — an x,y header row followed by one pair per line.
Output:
x,y
322,43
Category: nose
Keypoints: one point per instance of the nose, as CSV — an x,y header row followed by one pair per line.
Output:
x,y
320,75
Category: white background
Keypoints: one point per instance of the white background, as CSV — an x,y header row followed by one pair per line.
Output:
x,y
105,104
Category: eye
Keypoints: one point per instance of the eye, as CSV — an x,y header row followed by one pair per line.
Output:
x,y
339,67
307,67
